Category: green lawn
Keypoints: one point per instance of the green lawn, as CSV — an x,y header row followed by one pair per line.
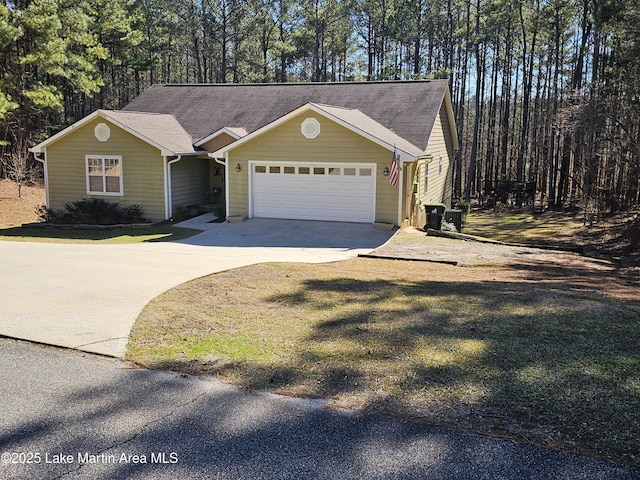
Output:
x,y
160,233
515,352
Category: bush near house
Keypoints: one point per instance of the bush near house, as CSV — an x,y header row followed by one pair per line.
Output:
x,y
93,211
464,206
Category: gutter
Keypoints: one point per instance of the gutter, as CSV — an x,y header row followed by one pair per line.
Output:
x,y
45,167
224,163
167,186
400,192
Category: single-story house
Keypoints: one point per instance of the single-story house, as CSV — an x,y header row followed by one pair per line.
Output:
x,y
317,151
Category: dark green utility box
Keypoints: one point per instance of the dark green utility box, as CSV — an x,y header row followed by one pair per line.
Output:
x,y
452,215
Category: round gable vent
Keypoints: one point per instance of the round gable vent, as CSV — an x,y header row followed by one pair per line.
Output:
x,y
310,128
102,132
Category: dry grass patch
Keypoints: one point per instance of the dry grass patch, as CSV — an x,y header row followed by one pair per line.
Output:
x,y
490,349
15,211
550,228
615,239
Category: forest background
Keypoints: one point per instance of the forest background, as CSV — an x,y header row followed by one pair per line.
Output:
x,y
546,93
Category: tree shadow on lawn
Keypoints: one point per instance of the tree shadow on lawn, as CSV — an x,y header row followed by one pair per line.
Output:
x,y
579,275
541,353
533,361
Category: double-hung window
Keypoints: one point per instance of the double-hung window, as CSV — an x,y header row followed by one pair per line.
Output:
x,y
104,175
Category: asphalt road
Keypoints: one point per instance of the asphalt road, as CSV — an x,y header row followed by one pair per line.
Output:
x,y
65,414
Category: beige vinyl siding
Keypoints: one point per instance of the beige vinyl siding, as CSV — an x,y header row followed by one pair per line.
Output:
x,y
142,169
335,144
190,182
439,189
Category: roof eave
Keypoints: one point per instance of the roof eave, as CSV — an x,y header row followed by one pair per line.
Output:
x,y
169,153
39,148
412,157
256,133
223,130
163,150
452,122
220,153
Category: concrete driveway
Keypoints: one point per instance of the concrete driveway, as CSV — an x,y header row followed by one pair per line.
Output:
x,y
87,297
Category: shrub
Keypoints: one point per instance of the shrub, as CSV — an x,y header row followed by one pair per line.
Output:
x,y
464,206
220,211
93,211
180,213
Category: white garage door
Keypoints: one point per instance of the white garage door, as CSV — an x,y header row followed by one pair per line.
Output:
x,y
336,192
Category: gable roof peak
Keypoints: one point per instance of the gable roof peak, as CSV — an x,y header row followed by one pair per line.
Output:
x,y
160,130
350,118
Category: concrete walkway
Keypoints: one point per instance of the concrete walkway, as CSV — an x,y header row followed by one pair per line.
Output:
x,y
87,297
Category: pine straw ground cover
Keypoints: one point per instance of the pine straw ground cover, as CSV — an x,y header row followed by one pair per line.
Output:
x,y
537,350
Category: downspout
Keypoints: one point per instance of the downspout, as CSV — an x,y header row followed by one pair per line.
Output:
x,y
167,187
45,169
226,181
400,190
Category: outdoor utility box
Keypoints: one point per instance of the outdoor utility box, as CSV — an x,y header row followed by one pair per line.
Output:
x,y
452,215
434,216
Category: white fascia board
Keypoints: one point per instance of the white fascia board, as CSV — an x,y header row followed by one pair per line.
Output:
x,y
101,114
221,153
389,146
452,120
63,133
163,151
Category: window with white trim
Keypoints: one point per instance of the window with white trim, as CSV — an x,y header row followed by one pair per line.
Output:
x,y
104,175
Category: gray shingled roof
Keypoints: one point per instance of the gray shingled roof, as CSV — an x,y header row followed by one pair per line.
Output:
x,y
163,130
408,109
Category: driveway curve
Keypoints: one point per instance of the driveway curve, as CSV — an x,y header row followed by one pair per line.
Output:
x,y
87,297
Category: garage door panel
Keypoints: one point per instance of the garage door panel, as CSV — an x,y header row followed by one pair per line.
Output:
x,y
313,192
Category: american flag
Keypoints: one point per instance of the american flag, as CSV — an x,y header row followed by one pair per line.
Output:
x,y
393,175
